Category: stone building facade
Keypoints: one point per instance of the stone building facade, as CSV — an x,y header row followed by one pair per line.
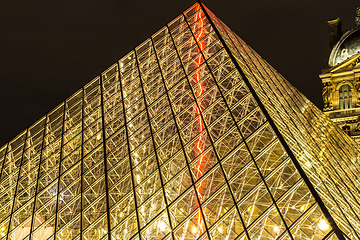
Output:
x,y
341,80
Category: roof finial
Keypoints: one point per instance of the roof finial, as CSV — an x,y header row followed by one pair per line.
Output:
x,y
334,31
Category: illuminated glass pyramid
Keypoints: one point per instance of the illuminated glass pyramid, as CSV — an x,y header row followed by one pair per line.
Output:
x,y
192,135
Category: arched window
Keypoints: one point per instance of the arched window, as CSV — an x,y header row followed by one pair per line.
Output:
x,y
345,97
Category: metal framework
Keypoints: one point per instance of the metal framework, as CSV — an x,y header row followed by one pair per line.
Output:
x,y
192,135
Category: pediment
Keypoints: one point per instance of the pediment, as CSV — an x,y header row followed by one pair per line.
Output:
x,y
347,65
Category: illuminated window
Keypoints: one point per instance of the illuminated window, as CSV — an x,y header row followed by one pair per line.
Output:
x,y
345,97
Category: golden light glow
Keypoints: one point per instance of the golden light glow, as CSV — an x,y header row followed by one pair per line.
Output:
x,y
161,225
304,207
174,153
250,209
323,225
98,137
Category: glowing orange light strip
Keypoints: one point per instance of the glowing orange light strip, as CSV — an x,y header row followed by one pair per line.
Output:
x,y
201,126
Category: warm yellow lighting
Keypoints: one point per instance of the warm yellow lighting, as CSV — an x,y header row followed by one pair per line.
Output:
x,y
194,230
225,209
161,225
220,229
250,209
125,231
3,228
304,207
323,225
98,137
121,214
276,229
135,159
142,209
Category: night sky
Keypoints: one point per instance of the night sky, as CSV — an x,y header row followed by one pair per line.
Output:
x,y
50,49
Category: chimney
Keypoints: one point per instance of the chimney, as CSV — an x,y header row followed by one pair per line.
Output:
x,y
335,30
357,17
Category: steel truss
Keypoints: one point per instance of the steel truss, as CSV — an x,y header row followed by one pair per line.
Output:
x,y
192,135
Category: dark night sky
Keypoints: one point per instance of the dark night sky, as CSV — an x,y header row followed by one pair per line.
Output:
x,y
50,49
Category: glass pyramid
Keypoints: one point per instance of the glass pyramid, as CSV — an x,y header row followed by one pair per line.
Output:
x,y
192,135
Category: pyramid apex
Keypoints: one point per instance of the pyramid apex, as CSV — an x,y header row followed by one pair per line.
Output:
x,y
191,135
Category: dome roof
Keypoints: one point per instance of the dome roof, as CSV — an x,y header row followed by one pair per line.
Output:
x,y
348,45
